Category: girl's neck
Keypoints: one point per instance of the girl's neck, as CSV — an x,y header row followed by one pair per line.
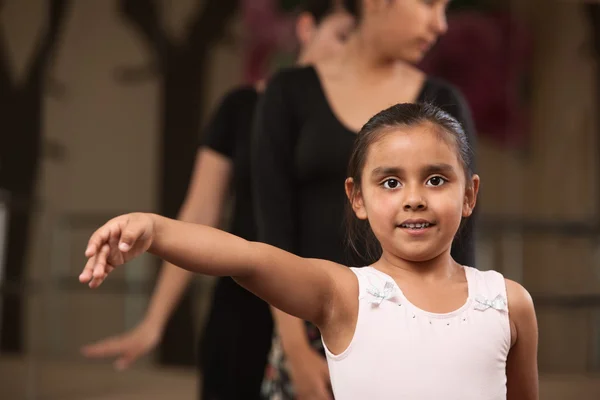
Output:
x,y
442,267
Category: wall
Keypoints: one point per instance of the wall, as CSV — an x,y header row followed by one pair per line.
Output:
x,y
109,132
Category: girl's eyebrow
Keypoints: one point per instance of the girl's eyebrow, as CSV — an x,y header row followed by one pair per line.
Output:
x,y
387,171
440,168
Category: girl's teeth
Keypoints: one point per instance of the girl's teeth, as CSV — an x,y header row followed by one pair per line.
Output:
x,y
416,226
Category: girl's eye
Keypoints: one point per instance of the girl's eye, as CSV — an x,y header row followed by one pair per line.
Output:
x,y
436,181
391,183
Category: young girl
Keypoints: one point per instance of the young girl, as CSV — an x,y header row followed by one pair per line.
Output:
x,y
413,325
306,126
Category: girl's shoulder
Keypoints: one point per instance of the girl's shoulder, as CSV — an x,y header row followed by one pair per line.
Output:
x,y
521,310
519,299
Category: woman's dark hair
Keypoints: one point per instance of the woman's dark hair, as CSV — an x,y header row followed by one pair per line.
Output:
x,y
360,237
353,7
320,9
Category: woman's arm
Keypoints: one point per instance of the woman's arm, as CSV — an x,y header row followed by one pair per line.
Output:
x,y
208,190
206,194
522,368
203,205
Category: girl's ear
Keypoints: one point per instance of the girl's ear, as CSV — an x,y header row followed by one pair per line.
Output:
x,y
471,196
355,197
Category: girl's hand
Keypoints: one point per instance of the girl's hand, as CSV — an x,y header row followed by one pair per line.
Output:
x,y
118,241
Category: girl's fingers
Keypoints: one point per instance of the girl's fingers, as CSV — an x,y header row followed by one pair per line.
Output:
x,y
100,267
101,261
88,270
107,244
131,232
97,240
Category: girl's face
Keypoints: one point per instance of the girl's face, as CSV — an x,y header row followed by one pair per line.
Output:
x,y
325,39
404,29
414,192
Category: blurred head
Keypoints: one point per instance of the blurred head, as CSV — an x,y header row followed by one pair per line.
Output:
x,y
409,183
400,29
322,28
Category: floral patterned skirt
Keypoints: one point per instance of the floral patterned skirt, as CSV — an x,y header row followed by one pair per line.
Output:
x,y
277,384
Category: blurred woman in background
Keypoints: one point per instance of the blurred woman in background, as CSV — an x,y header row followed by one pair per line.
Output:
x,y
238,333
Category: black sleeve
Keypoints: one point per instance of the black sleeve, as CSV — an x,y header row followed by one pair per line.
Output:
x,y
451,100
273,177
221,130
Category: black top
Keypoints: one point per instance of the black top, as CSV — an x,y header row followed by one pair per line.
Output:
x,y
238,331
300,154
228,133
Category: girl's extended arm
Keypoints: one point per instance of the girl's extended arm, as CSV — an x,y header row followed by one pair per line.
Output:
x,y
301,287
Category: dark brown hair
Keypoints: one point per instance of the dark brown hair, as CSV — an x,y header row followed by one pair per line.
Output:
x,y
353,7
360,237
320,9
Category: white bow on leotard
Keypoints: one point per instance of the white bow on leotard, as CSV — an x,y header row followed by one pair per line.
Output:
x,y
379,295
498,303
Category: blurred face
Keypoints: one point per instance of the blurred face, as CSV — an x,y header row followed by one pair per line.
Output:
x,y
405,29
414,192
325,39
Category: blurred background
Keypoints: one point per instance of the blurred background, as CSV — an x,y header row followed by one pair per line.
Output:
x,y
101,106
